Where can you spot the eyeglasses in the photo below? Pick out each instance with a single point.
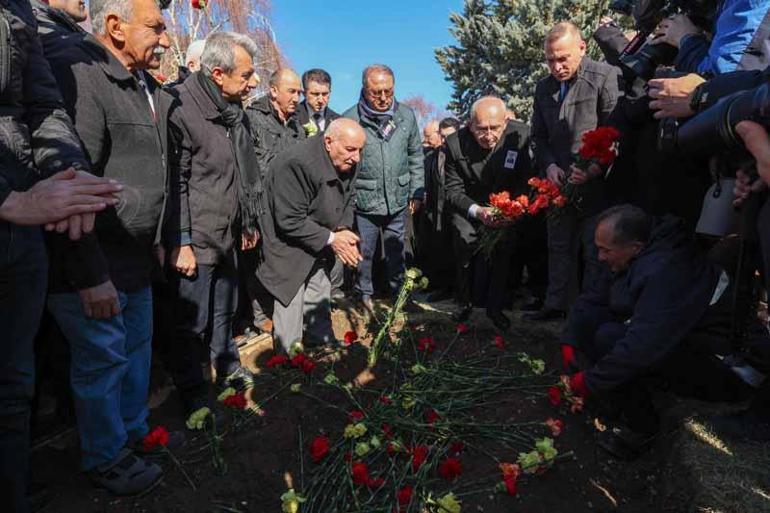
(387, 93)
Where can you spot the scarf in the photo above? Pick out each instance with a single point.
(383, 120)
(247, 166)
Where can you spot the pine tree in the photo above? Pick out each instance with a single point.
(499, 47)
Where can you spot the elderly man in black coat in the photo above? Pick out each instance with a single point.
(660, 312)
(311, 196)
(490, 155)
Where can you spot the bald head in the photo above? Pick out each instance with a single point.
(344, 139)
(285, 88)
(564, 50)
(488, 121)
(431, 137)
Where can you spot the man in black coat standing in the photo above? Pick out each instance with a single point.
(490, 155)
(576, 97)
(313, 113)
(217, 174)
(311, 196)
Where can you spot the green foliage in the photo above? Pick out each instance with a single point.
(500, 47)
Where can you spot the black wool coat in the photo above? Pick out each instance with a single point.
(204, 170)
(307, 200)
(472, 173)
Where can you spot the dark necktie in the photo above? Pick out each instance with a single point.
(563, 90)
(318, 119)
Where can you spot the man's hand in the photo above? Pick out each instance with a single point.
(555, 174)
(578, 176)
(249, 241)
(673, 29)
(64, 196)
(183, 260)
(671, 96)
(100, 302)
(414, 205)
(345, 246)
(757, 141)
(744, 187)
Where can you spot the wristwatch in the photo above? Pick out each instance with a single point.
(698, 98)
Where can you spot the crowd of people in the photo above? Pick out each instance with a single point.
(133, 211)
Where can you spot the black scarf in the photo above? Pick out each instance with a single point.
(383, 120)
(249, 178)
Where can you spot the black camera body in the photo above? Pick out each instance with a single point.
(640, 58)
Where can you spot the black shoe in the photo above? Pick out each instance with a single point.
(499, 319)
(463, 313)
(744, 425)
(533, 305)
(623, 443)
(545, 314)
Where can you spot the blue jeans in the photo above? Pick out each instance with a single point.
(23, 271)
(110, 372)
(392, 227)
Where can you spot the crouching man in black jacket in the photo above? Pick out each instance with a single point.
(311, 195)
(490, 155)
(661, 312)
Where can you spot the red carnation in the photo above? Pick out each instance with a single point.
(157, 437)
(350, 337)
(198, 4)
(499, 342)
(387, 431)
(462, 328)
(319, 448)
(404, 495)
(392, 448)
(277, 360)
(426, 344)
(419, 455)
(554, 395)
(355, 416)
(510, 484)
(237, 401)
(387, 401)
(450, 469)
(360, 474)
(298, 360)
(555, 425)
(431, 416)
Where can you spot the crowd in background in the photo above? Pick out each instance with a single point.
(190, 212)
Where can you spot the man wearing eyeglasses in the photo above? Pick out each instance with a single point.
(390, 176)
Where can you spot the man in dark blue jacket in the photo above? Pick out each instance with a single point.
(661, 311)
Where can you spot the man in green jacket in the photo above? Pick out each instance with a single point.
(390, 176)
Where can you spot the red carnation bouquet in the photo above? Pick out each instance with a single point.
(546, 195)
(504, 212)
(598, 147)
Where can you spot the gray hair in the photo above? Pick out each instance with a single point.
(194, 51)
(219, 51)
(376, 68)
(629, 224)
(99, 9)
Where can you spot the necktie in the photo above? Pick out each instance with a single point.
(146, 89)
(318, 120)
(563, 90)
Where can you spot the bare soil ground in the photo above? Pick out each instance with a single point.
(688, 470)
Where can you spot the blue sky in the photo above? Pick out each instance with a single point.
(343, 36)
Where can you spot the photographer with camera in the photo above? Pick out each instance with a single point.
(737, 43)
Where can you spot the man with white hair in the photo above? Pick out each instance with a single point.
(217, 173)
(308, 223)
(192, 61)
(490, 155)
(100, 286)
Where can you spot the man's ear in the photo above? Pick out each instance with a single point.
(327, 143)
(273, 92)
(114, 28)
(217, 76)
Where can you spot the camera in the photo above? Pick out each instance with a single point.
(713, 130)
(640, 57)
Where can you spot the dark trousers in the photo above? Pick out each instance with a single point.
(479, 277)
(691, 370)
(530, 251)
(23, 273)
(392, 228)
(434, 252)
(205, 308)
(570, 243)
(258, 299)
